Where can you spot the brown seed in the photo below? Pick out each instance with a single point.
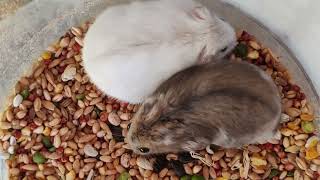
(58, 88)
(301, 163)
(14, 171)
(293, 112)
(133, 172)
(307, 117)
(154, 176)
(37, 104)
(106, 159)
(212, 173)
(5, 125)
(38, 71)
(88, 110)
(64, 42)
(125, 116)
(30, 167)
(120, 169)
(292, 149)
(87, 167)
(218, 155)
(254, 149)
(196, 169)
(124, 160)
(254, 45)
(48, 105)
(87, 138)
(231, 152)
(289, 166)
(95, 101)
(111, 172)
(301, 137)
(96, 128)
(272, 160)
(21, 114)
(54, 122)
(163, 173)
(114, 119)
(56, 141)
(78, 113)
(79, 41)
(285, 142)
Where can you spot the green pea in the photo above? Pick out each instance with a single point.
(273, 173)
(241, 50)
(197, 177)
(25, 93)
(124, 176)
(185, 177)
(47, 142)
(307, 127)
(80, 96)
(38, 158)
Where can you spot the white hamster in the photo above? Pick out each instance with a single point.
(132, 48)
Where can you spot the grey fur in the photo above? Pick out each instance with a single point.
(229, 104)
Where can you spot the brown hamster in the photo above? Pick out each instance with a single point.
(229, 104)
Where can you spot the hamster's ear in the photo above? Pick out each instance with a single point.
(200, 13)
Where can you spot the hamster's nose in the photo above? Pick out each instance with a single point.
(144, 149)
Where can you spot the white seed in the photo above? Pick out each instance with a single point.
(17, 100)
(69, 74)
(11, 150)
(254, 149)
(13, 141)
(90, 175)
(284, 118)
(90, 151)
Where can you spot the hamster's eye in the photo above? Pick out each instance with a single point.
(224, 49)
(144, 150)
(128, 126)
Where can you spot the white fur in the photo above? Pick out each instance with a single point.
(131, 49)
